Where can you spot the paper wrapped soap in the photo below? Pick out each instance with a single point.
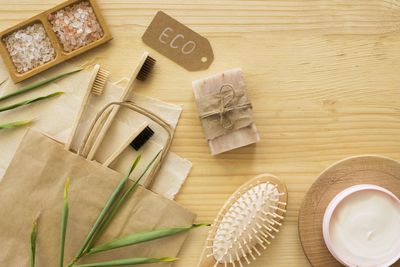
(225, 111)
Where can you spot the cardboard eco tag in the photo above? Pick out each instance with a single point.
(179, 43)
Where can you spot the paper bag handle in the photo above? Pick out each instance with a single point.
(101, 118)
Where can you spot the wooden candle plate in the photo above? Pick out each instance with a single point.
(367, 169)
(61, 55)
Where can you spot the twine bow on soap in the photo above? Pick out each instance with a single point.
(227, 99)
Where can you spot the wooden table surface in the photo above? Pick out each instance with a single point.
(323, 76)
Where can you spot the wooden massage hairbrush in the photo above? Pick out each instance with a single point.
(247, 223)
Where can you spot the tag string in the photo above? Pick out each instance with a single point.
(226, 97)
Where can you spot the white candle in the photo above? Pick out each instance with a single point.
(362, 226)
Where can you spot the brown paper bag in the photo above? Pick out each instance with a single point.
(55, 118)
(34, 183)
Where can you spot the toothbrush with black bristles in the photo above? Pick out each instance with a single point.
(141, 73)
(142, 138)
(136, 140)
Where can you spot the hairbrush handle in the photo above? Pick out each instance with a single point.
(124, 97)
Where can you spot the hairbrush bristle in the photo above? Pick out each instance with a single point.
(100, 81)
(142, 138)
(247, 224)
(146, 68)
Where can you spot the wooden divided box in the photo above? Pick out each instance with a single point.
(65, 31)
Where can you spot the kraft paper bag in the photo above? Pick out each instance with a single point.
(55, 118)
(33, 184)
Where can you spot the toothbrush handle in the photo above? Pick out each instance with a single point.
(124, 145)
(124, 97)
(82, 107)
(102, 133)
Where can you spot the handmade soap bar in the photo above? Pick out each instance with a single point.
(225, 111)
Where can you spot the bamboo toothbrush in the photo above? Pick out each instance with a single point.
(142, 138)
(95, 86)
(136, 140)
(141, 72)
(247, 223)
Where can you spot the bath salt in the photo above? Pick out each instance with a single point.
(29, 47)
(76, 26)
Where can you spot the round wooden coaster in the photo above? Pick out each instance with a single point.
(375, 170)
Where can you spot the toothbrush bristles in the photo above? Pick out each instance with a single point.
(100, 81)
(146, 68)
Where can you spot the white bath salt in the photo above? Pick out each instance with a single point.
(29, 47)
(76, 26)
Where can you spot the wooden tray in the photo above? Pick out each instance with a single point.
(61, 55)
(367, 169)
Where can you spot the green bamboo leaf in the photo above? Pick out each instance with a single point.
(30, 101)
(86, 244)
(141, 237)
(33, 241)
(37, 85)
(122, 200)
(64, 222)
(131, 261)
(14, 124)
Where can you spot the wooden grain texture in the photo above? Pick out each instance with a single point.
(375, 170)
(322, 75)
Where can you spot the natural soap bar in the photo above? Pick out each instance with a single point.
(225, 111)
